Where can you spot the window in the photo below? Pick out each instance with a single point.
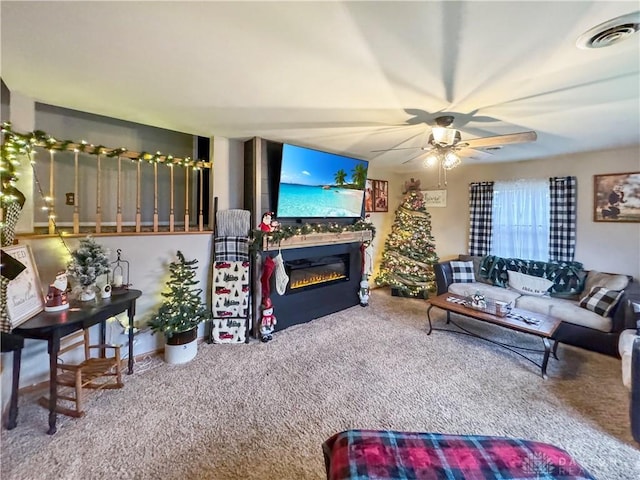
(520, 226)
(529, 219)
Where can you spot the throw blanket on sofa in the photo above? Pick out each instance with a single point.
(567, 277)
(390, 455)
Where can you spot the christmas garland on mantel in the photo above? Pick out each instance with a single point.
(288, 231)
(22, 143)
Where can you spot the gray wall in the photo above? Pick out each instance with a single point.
(608, 247)
(64, 124)
(149, 255)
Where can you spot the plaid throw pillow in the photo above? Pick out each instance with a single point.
(462, 272)
(601, 301)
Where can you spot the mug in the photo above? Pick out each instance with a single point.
(502, 308)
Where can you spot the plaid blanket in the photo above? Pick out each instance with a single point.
(231, 249)
(567, 277)
(387, 455)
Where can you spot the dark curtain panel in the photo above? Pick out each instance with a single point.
(562, 222)
(480, 203)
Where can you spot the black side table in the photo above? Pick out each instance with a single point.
(10, 342)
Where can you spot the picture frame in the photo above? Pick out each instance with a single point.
(434, 198)
(380, 189)
(24, 292)
(368, 196)
(616, 197)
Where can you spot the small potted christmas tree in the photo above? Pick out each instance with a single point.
(88, 262)
(181, 312)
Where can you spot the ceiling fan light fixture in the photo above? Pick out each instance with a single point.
(451, 160)
(444, 135)
(431, 160)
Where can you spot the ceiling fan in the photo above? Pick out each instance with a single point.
(445, 142)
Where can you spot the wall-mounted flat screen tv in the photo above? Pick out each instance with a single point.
(315, 184)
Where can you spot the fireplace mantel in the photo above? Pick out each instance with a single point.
(317, 239)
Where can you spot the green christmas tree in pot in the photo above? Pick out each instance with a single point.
(88, 262)
(181, 312)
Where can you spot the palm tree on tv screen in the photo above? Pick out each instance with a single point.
(359, 175)
(340, 177)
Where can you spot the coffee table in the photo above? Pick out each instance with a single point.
(520, 320)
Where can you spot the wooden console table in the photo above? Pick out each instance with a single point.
(52, 326)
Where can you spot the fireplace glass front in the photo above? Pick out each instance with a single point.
(315, 272)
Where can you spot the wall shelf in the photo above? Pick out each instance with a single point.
(317, 239)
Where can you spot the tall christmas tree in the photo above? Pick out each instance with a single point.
(409, 251)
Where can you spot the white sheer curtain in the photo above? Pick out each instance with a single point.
(521, 219)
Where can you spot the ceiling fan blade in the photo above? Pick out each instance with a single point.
(496, 140)
(420, 155)
(473, 154)
(399, 148)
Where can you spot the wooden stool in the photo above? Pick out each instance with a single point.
(10, 342)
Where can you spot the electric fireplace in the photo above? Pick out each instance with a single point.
(314, 272)
(322, 280)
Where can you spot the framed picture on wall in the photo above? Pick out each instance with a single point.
(24, 294)
(380, 195)
(376, 195)
(434, 198)
(368, 196)
(616, 197)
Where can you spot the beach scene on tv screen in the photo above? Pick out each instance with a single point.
(319, 184)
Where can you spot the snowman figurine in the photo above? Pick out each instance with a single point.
(363, 293)
(267, 323)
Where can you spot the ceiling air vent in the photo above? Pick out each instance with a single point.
(608, 33)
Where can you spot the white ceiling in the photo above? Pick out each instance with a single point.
(345, 77)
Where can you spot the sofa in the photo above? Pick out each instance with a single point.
(629, 347)
(594, 307)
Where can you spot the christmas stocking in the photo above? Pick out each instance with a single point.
(267, 270)
(282, 279)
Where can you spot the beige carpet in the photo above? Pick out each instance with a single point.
(262, 411)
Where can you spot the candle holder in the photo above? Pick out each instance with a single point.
(119, 275)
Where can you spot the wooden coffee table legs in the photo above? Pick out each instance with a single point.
(429, 318)
(548, 348)
(545, 359)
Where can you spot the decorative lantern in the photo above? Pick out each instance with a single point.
(119, 275)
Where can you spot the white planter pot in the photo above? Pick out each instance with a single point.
(88, 293)
(176, 354)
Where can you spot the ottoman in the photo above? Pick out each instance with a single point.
(625, 348)
(394, 455)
